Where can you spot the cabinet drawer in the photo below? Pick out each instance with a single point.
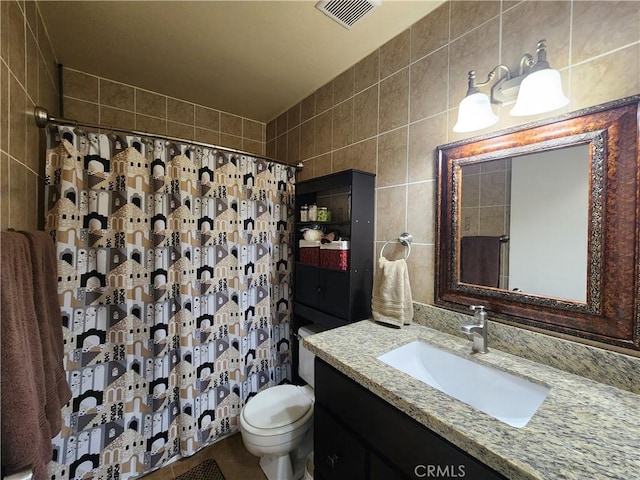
(338, 454)
(403, 441)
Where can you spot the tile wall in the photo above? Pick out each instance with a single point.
(28, 75)
(97, 100)
(388, 112)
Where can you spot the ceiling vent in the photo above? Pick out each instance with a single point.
(347, 12)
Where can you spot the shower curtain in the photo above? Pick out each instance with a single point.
(174, 276)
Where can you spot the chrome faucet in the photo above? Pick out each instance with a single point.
(478, 330)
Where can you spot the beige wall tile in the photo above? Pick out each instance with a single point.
(271, 130)
(293, 145)
(230, 124)
(322, 133)
(33, 56)
(392, 158)
(493, 188)
(293, 116)
(590, 16)
(281, 148)
(179, 111)
(394, 101)
(48, 96)
(180, 130)
(17, 119)
(531, 21)
(343, 86)
(230, 141)
(429, 78)
(324, 98)
(31, 209)
(492, 221)
(364, 155)
(207, 118)
(467, 15)
(430, 33)
(424, 137)
(252, 130)
(365, 109)
(33, 156)
(17, 47)
(477, 50)
(116, 118)
(21, 200)
(4, 30)
(31, 15)
(149, 124)
(4, 105)
(81, 111)
(395, 54)
(308, 108)
(282, 124)
(391, 212)
(152, 104)
(251, 146)
(342, 159)
(367, 71)
(322, 165)
(421, 211)
(207, 136)
(117, 95)
(271, 149)
(607, 78)
(307, 143)
(422, 260)
(343, 124)
(80, 85)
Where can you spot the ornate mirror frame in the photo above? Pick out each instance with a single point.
(611, 313)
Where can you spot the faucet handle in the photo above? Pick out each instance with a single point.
(481, 308)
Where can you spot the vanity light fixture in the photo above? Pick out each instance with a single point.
(537, 86)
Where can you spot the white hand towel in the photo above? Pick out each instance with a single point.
(391, 301)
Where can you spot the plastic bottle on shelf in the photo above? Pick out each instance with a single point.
(304, 213)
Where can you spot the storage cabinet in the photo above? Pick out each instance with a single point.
(328, 296)
(359, 435)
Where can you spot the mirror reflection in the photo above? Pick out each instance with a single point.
(524, 223)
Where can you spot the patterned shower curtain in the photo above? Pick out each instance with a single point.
(174, 275)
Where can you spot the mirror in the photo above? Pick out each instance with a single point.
(540, 224)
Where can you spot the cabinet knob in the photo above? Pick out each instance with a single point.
(319, 289)
(332, 460)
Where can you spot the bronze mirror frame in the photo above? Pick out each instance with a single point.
(611, 313)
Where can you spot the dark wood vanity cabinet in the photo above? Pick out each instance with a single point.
(328, 296)
(357, 435)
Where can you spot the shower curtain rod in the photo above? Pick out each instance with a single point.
(43, 118)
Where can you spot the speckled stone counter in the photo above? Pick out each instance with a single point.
(583, 430)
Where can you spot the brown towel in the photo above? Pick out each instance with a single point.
(29, 385)
(47, 303)
(480, 261)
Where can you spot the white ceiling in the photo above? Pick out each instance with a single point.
(251, 58)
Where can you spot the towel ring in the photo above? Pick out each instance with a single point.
(405, 239)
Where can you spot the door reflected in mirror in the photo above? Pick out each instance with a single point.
(524, 223)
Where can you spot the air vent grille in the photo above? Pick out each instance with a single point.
(347, 12)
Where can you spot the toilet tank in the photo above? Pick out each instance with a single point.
(305, 357)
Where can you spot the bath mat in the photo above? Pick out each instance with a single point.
(207, 470)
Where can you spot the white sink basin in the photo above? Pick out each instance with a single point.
(510, 399)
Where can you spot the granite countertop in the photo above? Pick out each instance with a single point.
(583, 429)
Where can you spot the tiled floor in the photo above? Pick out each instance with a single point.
(230, 454)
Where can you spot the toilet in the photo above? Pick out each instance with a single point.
(276, 424)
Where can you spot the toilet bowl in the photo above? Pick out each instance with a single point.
(276, 424)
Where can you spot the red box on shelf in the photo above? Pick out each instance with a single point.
(335, 255)
(310, 252)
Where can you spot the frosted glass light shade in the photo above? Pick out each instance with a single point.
(540, 92)
(474, 113)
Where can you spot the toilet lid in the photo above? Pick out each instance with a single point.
(276, 407)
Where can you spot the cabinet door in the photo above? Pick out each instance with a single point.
(307, 285)
(338, 454)
(334, 293)
(381, 470)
